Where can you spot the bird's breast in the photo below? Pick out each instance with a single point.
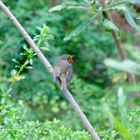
(64, 66)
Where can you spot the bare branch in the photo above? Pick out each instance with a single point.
(50, 69)
(121, 51)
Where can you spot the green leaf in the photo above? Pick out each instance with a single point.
(67, 5)
(127, 15)
(45, 48)
(122, 102)
(122, 130)
(121, 97)
(27, 62)
(25, 48)
(130, 19)
(126, 65)
(130, 87)
(31, 61)
(119, 7)
(13, 72)
(1, 90)
(14, 60)
(138, 17)
(58, 8)
(109, 25)
(29, 67)
(132, 1)
(128, 1)
(79, 28)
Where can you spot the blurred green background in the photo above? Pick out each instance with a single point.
(103, 93)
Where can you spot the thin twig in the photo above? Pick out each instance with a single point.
(50, 69)
(121, 51)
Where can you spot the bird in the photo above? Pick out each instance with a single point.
(63, 70)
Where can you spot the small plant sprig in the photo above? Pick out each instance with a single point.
(43, 38)
(42, 42)
(16, 74)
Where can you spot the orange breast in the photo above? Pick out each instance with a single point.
(70, 60)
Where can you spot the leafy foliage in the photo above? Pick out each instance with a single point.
(14, 125)
(29, 99)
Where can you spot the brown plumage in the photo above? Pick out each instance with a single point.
(63, 70)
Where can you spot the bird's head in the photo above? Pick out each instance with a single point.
(67, 58)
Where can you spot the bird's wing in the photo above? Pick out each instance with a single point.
(57, 74)
(57, 70)
(69, 75)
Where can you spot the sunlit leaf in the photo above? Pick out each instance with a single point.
(119, 7)
(127, 14)
(58, 8)
(126, 65)
(13, 72)
(109, 25)
(31, 61)
(122, 130)
(29, 67)
(20, 102)
(127, 1)
(122, 102)
(25, 48)
(45, 48)
(1, 90)
(132, 1)
(130, 87)
(138, 17)
(67, 5)
(119, 77)
(14, 60)
(26, 62)
(121, 96)
(130, 19)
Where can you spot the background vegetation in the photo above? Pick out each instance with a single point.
(31, 104)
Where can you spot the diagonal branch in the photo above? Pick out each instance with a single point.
(121, 51)
(50, 69)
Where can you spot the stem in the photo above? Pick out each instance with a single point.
(14, 80)
(18, 73)
(121, 51)
(50, 69)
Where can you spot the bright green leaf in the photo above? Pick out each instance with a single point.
(45, 48)
(31, 61)
(110, 25)
(1, 90)
(29, 67)
(122, 130)
(14, 60)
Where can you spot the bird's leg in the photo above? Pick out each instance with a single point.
(58, 80)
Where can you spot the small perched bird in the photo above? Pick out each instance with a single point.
(63, 70)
